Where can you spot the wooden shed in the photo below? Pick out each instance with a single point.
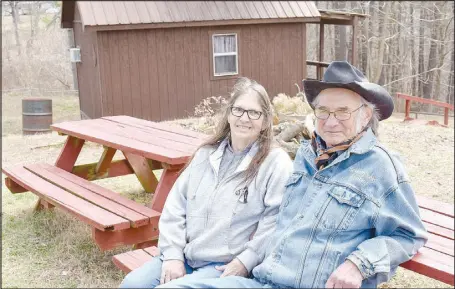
(156, 60)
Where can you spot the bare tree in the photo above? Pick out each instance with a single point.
(15, 16)
(377, 70)
(340, 34)
(34, 24)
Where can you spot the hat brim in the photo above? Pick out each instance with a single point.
(371, 92)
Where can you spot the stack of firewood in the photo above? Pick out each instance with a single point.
(293, 121)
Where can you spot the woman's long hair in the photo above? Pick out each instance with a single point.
(250, 87)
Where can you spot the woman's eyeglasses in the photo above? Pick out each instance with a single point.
(252, 114)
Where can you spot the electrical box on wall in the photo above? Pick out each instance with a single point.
(75, 54)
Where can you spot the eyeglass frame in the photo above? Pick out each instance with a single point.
(247, 112)
(335, 115)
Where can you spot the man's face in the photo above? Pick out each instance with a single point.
(332, 130)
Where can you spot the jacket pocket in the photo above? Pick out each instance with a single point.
(341, 207)
(293, 182)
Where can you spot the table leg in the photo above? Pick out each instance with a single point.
(43, 205)
(167, 180)
(105, 160)
(446, 116)
(143, 171)
(69, 153)
(65, 161)
(407, 110)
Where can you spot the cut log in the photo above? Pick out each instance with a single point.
(291, 131)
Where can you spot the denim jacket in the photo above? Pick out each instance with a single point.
(361, 207)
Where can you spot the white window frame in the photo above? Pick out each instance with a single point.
(236, 53)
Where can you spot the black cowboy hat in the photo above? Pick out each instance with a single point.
(341, 74)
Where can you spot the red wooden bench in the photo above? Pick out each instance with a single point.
(435, 259)
(115, 220)
(409, 98)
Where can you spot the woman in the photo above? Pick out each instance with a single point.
(230, 191)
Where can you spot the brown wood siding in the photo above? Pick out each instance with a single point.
(87, 70)
(161, 74)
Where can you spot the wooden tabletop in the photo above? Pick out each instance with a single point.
(165, 143)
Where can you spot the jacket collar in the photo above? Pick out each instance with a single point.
(217, 154)
(363, 145)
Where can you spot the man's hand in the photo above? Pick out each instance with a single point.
(234, 268)
(345, 276)
(172, 269)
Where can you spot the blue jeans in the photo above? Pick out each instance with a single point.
(225, 282)
(148, 275)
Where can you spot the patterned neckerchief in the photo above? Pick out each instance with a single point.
(326, 155)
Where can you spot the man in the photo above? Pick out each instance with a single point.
(349, 215)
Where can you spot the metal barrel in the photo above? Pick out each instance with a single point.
(36, 115)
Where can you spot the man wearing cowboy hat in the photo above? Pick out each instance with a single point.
(349, 215)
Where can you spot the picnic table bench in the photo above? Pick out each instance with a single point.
(115, 220)
(435, 259)
(410, 98)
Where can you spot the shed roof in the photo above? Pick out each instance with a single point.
(110, 15)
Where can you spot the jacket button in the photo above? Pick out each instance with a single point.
(286, 203)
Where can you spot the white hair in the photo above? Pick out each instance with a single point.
(374, 120)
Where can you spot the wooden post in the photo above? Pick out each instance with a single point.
(446, 116)
(407, 109)
(355, 22)
(319, 68)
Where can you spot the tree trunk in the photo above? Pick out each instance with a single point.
(421, 67)
(443, 44)
(432, 58)
(372, 43)
(377, 71)
(364, 44)
(450, 95)
(34, 25)
(340, 34)
(15, 16)
(412, 42)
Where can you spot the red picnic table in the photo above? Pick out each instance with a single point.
(115, 220)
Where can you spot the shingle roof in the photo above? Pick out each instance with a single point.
(105, 13)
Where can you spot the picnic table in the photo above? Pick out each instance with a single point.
(115, 220)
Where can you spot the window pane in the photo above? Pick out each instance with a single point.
(224, 43)
(225, 64)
